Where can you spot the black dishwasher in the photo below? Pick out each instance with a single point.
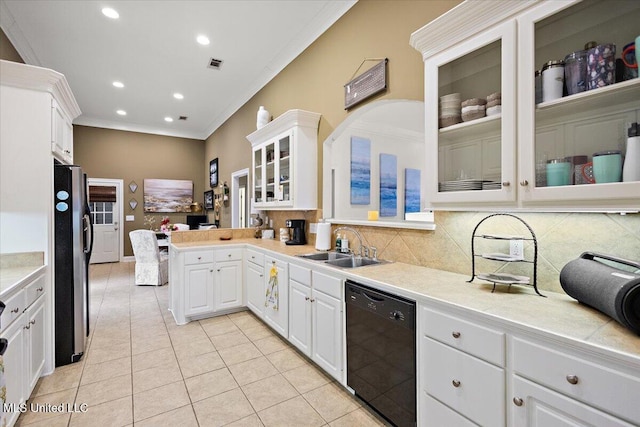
(381, 352)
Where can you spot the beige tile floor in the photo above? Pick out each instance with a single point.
(142, 369)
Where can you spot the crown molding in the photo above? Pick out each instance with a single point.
(286, 121)
(40, 79)
(463, 21)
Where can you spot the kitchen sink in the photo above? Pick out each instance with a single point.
(353, 262)
(325, 256)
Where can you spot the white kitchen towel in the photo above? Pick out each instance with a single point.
(271, 298)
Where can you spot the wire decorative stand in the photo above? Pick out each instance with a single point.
(508, 279)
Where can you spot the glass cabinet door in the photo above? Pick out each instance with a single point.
(270, 171)
(573, 135)
(470, 120)
(258, 175)
(284, 171)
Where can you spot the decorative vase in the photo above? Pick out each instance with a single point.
(263, 117)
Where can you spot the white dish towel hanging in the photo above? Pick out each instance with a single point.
(271, 297)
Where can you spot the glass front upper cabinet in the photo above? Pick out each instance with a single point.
(572, 139)
(470, 120)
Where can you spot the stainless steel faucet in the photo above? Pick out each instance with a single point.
(364, 250)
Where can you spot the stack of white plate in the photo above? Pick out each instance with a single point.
(460, 185)
(450, 110)
(491, 185)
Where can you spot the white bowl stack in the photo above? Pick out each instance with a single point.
(494, 104)
(473, 108)
(450, 110)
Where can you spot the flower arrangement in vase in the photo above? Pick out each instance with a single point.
(165, 225)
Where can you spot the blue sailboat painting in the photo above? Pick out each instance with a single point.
(360, 171)
(411, 190)
(388, 185)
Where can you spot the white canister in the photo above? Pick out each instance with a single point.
(262, 117)
(552, 80)
(631, 168)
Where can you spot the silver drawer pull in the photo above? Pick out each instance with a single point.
(524, 183)
(312, 299)
(456, 334)
(455, 383)
(27, 327)
(199, 258)
(572, 379)
(15, 310)
(40, 289)
(306, 298)
(33, 322)
(506, 184)
(517, 401)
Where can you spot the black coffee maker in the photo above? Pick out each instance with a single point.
(297, 232)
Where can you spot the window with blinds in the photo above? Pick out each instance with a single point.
(101, 203)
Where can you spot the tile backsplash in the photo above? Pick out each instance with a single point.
(561, 237)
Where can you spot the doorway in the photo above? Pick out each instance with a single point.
(240, 199)
(105, 197)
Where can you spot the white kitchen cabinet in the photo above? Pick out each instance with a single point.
(198, 289)
(227, 282)
(277, 318)
(254, 281)
(591, 121)
(24, 359)
(61, 134)
(461, 366)
(537, 406)
(315, 317)
(474, 50)
(550, 381)
(284, 162)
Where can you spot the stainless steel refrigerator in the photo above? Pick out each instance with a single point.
(73, 244)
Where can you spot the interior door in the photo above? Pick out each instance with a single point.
(104, 206)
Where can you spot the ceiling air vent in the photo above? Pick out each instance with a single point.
(182, 118)
(215, 63)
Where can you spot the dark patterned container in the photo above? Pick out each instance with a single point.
(601, 66)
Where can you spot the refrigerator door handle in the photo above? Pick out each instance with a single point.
(88, 234)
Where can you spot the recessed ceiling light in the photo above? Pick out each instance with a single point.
(178, 95)
(121, 112)
(203, 40)
(118, 84)
(168, 119)
(110, 13)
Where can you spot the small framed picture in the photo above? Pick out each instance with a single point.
(213, 173)
(208, 199)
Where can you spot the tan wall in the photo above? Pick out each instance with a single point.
(7, 51)
(132, 156)
(314, 81)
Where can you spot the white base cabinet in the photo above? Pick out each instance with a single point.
(24, 358)
(277, 318)
(315, 318)
(205, 282)
(254, 281)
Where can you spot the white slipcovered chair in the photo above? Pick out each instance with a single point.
(151, 265)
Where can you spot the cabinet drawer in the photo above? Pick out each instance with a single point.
(231, 254)
(34, 290)
(327, 284)
(14, 306)
(605, 388)
(300, 274)
(255, 257)
(466, 384)
(200, 257)
(435, 414)
(480, 341)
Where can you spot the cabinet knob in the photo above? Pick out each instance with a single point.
(518, 401)
(307, 298)
(455, 383)
(524, 183)
(218, 269)
(262, 275)
(312, 299)
(15, 310)
(33, 322)
(229, 255)
(456, 334)
(28, 326)
(572, 379)
(199, 258)
(506, 184)
(211, 271)
(40, 289)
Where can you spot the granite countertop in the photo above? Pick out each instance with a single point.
(557, 314)
(17, 270)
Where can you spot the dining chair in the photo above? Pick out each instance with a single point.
(151, 264)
